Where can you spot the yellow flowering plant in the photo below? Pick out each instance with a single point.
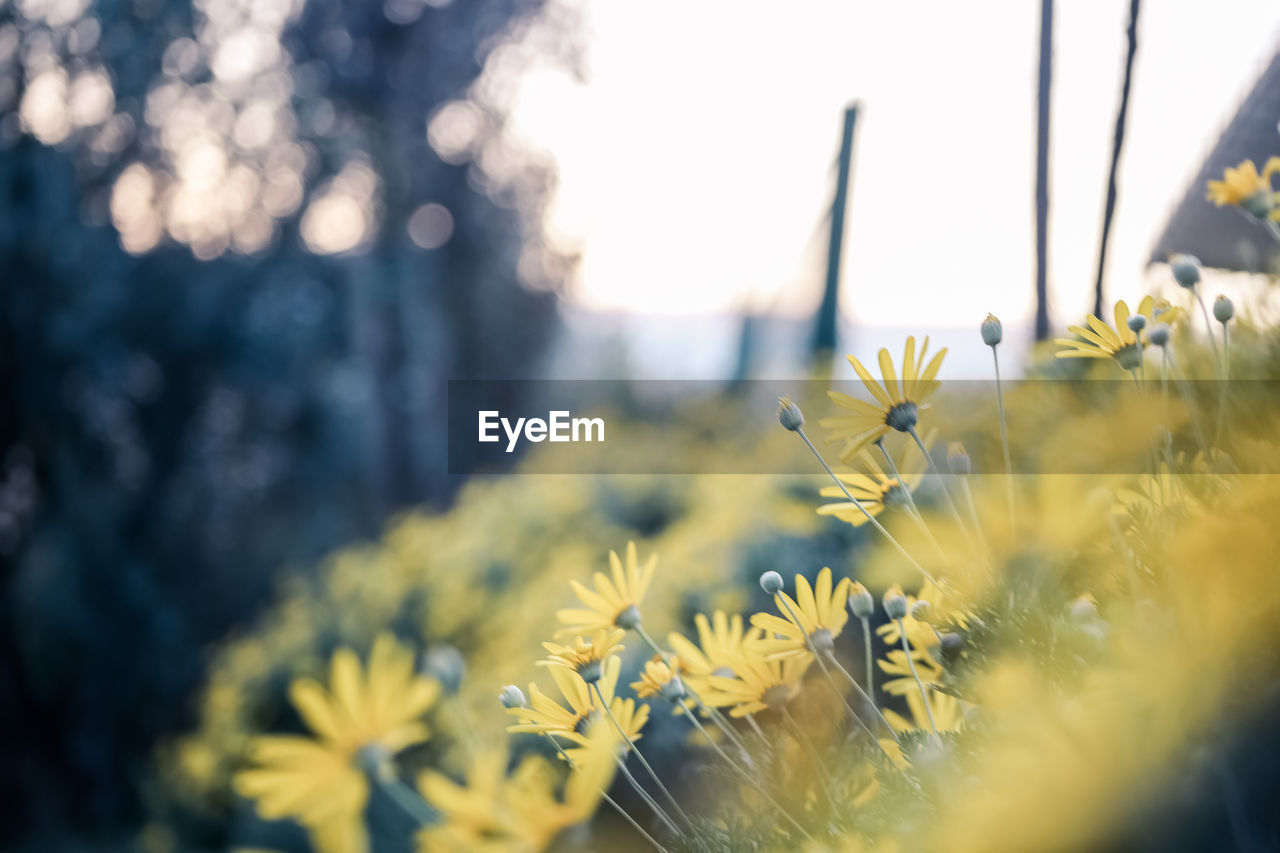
(1045, 684)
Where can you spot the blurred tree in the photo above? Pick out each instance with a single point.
(245, 244)
(1043, 106)
(1117, 145)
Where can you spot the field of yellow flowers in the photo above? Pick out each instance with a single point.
(916, 647)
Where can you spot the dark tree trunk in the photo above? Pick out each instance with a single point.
(825, 326)
(1042, 170)
(1118, 144)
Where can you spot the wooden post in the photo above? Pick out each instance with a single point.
(825, 325)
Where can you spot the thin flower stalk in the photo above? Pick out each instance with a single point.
(1004, 440)
(924, 694)
(946, 492)
(643, 761)
(878, 526)
(715, 716)
(866, 644)
(406, 798)
(798, 732)
(973, 509)
(822, 664)
(750, 779)
(614, 803)
(912, 509)
(1208, 326)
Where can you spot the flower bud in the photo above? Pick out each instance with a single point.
(1158, 334)
(511, 697)
(1083, 609)
(629, 618)
(992, 331)
(1186, 270)
(771, 582)
(789, 414)
(921, 611)
(1136, 323)
(861, 604)
(445, 664)
(1223, 309)
(895, 603)
(1257, 205)
(957, 459)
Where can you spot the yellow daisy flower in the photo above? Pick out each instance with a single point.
(359, 723)
(1245, 188)
(497, 812)
(923, 636)
(544, 715)
(814, 618)
(585, 656)
(905, 683)
(873, 488)
(1121, 343)
(760, 684)
(661, 678)
(947, 713)
(718, 652)
(616, 601)
(897, 404)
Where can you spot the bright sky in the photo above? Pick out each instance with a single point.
(696, 162)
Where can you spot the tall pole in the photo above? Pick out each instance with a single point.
(1042, 170)
(825, 326)
(1117, 144)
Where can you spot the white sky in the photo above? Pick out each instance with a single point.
(696, 162)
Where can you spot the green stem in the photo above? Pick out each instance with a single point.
(750, 780)
(878, 526)
(866, 643)
(1208, 327)
(755, 727)
(1004, 441)
(863, 693)
(1222, 392)
(924, 694)
(406, 798)
(1187, 401)
(648, 798)
(913, 510)
(973, 510)
(946, 492)
(818, 656)
(797, 731)
(715, 715)
(610, 800)
(643, 761)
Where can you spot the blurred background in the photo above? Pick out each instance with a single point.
(244, 244)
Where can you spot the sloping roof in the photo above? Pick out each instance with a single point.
(1221, 237)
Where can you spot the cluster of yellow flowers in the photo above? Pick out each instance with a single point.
(1064, 645)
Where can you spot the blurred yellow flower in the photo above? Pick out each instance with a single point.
(759, 684)
(359, 723)
(721, 641)
(584, 657)
(544, 715)
(1121, 343)
(520, 812)
(657, 677)
(614, 602)
(897, 405)
(875, 489)
(947, 712)
(1243, 186)
(905, 683)
(812, 620)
